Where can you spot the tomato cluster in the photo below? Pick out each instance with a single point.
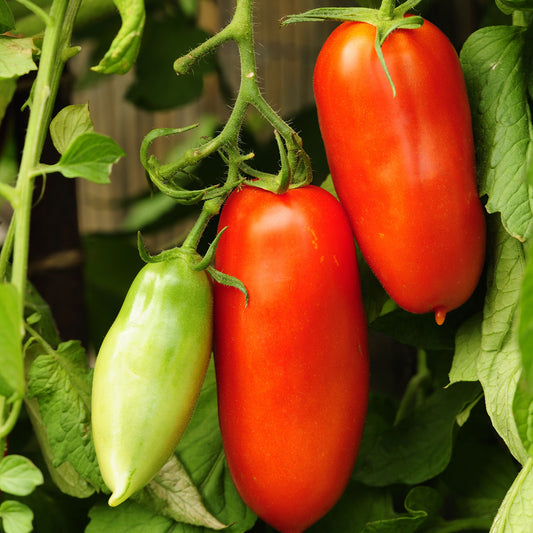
(292, 360)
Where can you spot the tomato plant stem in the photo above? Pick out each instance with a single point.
(240, 30)
(386, 10)
(211, 207)
(56, 41)
(521, 18)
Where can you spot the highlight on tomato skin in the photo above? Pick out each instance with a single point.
(404, 166)
(292, 366)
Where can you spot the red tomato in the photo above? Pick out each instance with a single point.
(292, 367)
(404, 167)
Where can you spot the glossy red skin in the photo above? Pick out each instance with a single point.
(404, 167)
(292, 367)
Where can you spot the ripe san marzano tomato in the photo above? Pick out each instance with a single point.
(292, 366)
(403, 166)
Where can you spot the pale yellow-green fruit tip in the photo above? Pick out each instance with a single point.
(120, 494)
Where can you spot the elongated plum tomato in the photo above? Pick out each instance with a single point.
(292, 368)
(403, 166)
(149, 372)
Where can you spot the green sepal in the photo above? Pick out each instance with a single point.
(203, 264)
(219, 277)
(143, 252)
(294, 173)
(384, 25)
(165, 255)
(229, 281)
(210, 254)
(355, 14)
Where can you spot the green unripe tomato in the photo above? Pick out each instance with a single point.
(149, 372)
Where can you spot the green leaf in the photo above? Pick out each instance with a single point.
(525, 328)
(173, 494)
(36, 306)
(420, 504)
(523, 414)
(68, 124)
(61, 382)
(19, 476)
(523, 401)
(508, 6)
(480, 473)
(467, 350)
(11, 370)
(65, 477)
(496, 77)
(125, 46)
(89, 156)
(129, 517)
(500, 363)
(16, 56)
(156, 86)
(419, 446)
(357, 506)
(515, 514)
(200, 451)
(416, 330)
(7, 21)
(16, 517)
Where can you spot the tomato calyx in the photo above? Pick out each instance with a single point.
(194, 260)
(295, 168)
(386, 20)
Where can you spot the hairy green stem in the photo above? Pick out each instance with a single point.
(56, 40)
(36, 337)
(240, 30)
(386, 11)
(211, 207)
